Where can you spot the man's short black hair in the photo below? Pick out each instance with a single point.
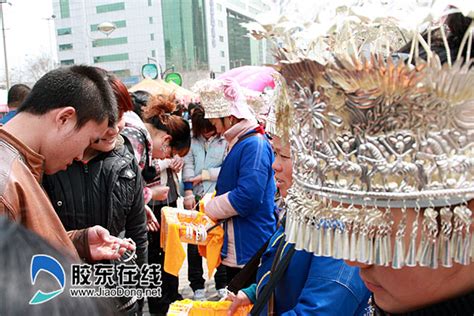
(16, 94)
(83, 87)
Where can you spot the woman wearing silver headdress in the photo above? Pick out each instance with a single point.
(384, 149)
(444, 241)
(384, 172)
(309, 285)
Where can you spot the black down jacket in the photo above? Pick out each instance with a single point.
(107, 191)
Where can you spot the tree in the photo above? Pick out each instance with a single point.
(37, 66)
(32, 69)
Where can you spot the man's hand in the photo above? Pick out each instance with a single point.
(103, 246)
(152, 223)
(237, 300)
(159, 192)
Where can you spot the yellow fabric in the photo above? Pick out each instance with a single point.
(207, 308)
(173, 233)
(176, 255)
(212, 251)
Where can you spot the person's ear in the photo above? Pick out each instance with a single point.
(167, 138)
(65, 117)
(227, 122)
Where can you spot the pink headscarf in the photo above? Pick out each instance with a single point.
(222, 98)
(238, 106)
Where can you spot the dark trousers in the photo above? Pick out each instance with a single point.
(195, 271)
(170, 283)
(231, 272)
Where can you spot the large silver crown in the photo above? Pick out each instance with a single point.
(375, 129)
(374, 135)
(370, 134)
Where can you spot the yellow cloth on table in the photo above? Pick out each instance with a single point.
(212, 251)
(191, 308)
(175, 254)
(173, 233)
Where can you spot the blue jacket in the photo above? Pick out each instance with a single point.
(248, 175)
(204, 155)
(7, 117)
(313, 285)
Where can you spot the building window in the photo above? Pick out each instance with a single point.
(219, 7)
(222, 53)
(149, 3)
(107, 58)
(64, 9)
(67, 62)
(150, 19)
(222, 68)
(220, 23)
(118, 24)
(64, 31)
(221, 38)
(110, 7)
(109, 41)
(65, 47)
(153, 53)
(122, 73)
(152, 37)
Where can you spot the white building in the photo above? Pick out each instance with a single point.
(188, 34)
(223, 44)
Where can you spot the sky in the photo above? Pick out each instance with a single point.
(28, 32)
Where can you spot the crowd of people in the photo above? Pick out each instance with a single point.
(87, 167)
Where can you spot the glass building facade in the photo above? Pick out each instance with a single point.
(239, 44)
(184, 32)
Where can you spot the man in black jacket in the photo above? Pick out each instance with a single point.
(105, 188)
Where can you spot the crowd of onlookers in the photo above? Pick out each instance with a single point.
(87, 167)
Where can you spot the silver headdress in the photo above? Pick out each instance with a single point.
(371, 134)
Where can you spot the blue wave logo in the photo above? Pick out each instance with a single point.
(51, 266)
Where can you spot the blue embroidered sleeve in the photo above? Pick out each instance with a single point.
(251, 292)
